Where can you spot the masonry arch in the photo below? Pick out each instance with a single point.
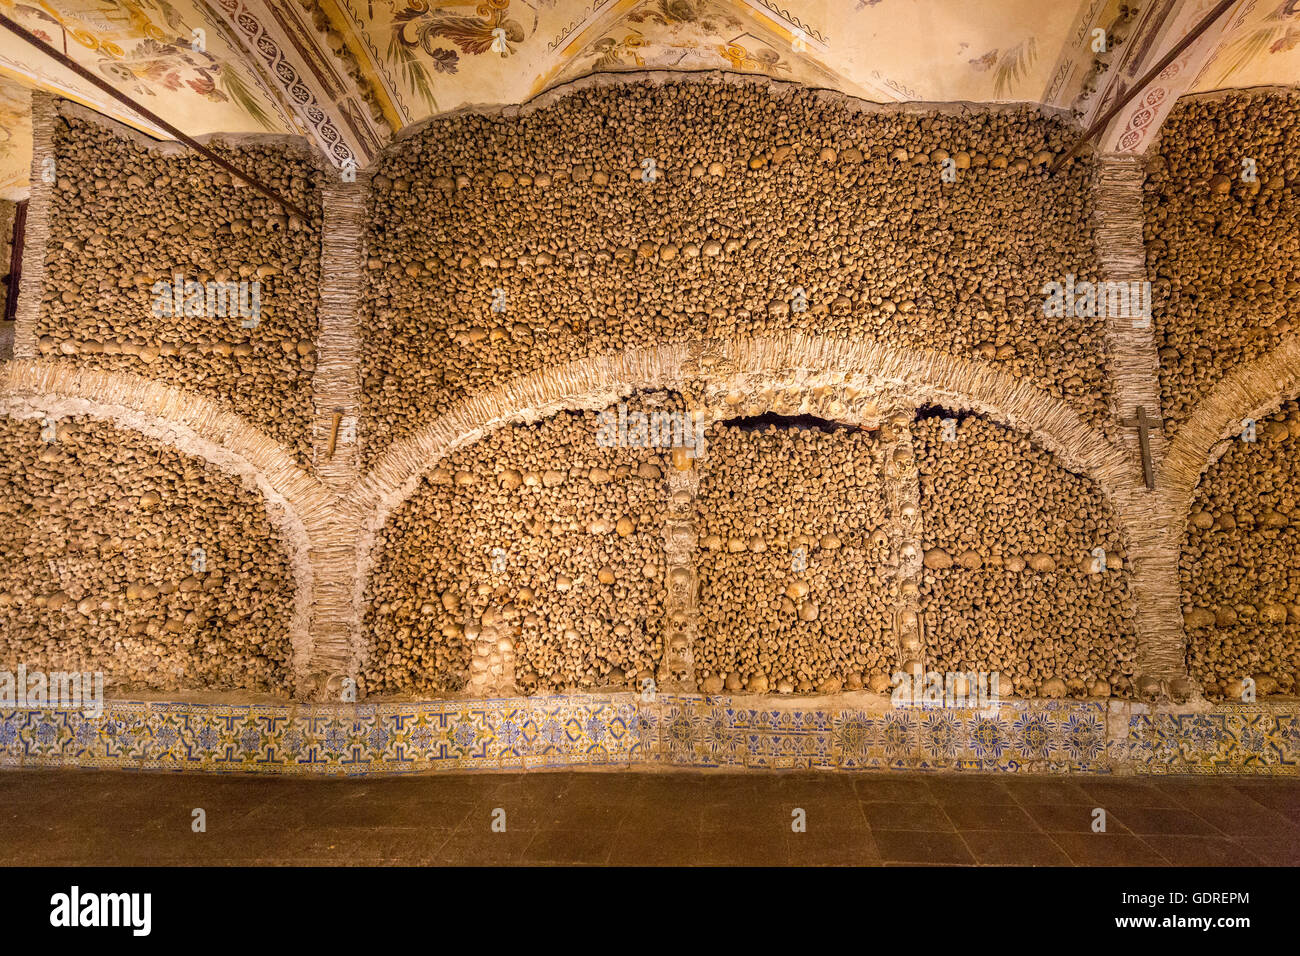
(1222, 645)
(296, 502)
(842, 380)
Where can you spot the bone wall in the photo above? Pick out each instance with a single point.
(797, 558)
(1223, 253)
(796, 592)
(498, 245)
(123, 556)
(1239, 569)
(609, 218)
(124, 217)
(539, 535)
(1011, 582)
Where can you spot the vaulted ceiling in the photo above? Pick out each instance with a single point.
(350, 73)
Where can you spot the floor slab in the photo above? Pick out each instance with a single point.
(634, 819)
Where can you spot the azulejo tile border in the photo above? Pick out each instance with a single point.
(679, 731)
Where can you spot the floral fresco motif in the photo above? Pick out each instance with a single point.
(412, 58)
(612, 54)
(148, 48)
(1277, 32)
(15, 140)
(762, 60)
(685, 35)
(700, 13)
(1009, 66)
(443, 32)
(152, 64)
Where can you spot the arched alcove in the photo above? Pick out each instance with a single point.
(853, 383)
(1239, 569)
(1028, 570)
(296, 504)
(124, 556)
(531, 558)
(798, 544)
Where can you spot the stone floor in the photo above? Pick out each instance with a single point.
(106, 818)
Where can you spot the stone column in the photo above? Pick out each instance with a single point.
(904, 493)
(31, 285)
(337, 383)
(336, 617)
(677, 670)
(1154, 539)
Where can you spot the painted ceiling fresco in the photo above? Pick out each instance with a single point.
(15, 139)
(175, 58)
(350, 73)
(437, 56)
(1263, 51)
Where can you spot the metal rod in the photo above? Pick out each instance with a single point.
(67, 62)
(1100, 123)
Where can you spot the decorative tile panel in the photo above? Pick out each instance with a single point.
(674, 731)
